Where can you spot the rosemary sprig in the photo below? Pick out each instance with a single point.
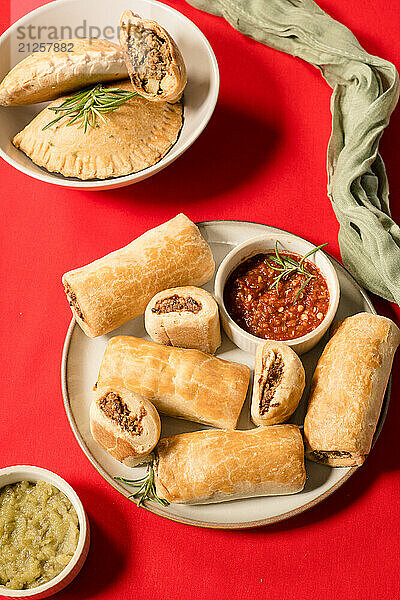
(287, 266)
(85, 106)
(146, 487)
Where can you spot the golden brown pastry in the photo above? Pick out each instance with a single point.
(131, 138)
(182, 383)
(279, 381)
(186, 317)
(155, 64)
(117, 288)
(348, 388)
(215, 466)
(126, 426)
(44, 76)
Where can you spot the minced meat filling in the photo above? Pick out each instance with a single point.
(150, 55)
(115, 408)
(73, 302)
(176, 303)
(325, 455)
(269, 381)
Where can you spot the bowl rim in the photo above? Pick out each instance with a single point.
(170, 157)
(220, 282)
(38, 473)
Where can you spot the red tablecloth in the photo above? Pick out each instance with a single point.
(261, 158)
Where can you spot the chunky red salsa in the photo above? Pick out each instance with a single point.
(278, 311)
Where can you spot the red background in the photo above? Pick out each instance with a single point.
(261, 158)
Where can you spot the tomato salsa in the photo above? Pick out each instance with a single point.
(278, 310)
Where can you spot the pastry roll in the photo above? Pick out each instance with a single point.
(348, 388)
(186, 317)
(182, 383)
(43, 76)
(155, 64)
(126, 426)
(133, 137)
(279, 381)
(117, 288)
(214, 466)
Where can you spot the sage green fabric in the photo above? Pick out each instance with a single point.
(365, 92)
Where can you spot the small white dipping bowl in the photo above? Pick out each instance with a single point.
(266, 244)
(10, 475)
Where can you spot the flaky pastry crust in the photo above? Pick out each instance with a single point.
(131, 138)
(186, 317)
(215, 466)
(154, 61)
(279, 380)
(108, 424)
(117, 288)
(348, 388)
(182, 383)
(43, 76)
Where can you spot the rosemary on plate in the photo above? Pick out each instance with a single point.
(146, 487)
(84, 107)
(287, 266)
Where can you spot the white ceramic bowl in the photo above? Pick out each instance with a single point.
(263, 244)
(201, 92)
(10, 475)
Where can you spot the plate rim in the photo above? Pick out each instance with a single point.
(198, 523)
(130, 179)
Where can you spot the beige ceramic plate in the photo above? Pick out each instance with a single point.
(80, 364)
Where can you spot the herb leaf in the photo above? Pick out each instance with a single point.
(88, 105)
(287, 266)
(146, 487)
(312, 251)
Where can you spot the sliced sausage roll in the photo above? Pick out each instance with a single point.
(279, 381)
(186, 317)
(125, 425)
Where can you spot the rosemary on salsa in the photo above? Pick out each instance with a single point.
(287, 266)
(84, 107)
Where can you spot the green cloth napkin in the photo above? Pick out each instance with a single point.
(365, 92)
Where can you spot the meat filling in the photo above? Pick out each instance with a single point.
(115, 409)
(73, 302)
(151, 57)
(325, 455)
(176, 303)
(270, 379)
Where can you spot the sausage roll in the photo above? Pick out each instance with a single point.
(117, 288)
(214, 465)
(279, 381)
(182, 383)
(348, 388)
(186, 317)
(155, 64)
(126, 426)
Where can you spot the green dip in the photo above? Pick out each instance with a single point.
(39, 532)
